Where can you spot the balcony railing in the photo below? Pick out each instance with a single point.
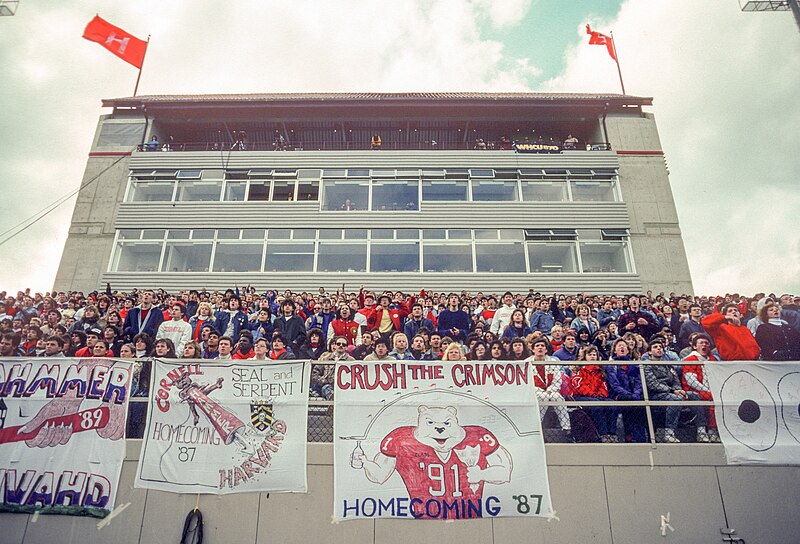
(648, 412)
(353, 146)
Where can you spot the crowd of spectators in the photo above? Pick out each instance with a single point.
(565, 337)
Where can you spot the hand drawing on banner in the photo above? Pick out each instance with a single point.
(57, 420)
(423, 456)
(749, 412)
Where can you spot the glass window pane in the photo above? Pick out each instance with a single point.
(437, 191)
(198, 191)
(282, 190)
(137, 257)
(486, 234)
(252, 234)
(434, 234)
(544, 191)
(232, 257)
(394, 196)
(447, 257)
(279, 234)
(202, 234)
(433, 173)
(186, 257)
(153, 234)
(289, 257)
(407, 234)
(607, 257)
(189, 174)
(309, 173)
(308, 190)
(259, 189)
(382, 234)
(403, 257)
(345, 195)
(500, 257)
(330, 234)
(494, 191)
(234, 190)
(383, 173)
(552, 257)
(481, 173)
(228, 234)
(459, 234)
(357, 173)
(129, 234)
(334, 173)
(511, 234)
(342, 257)
(151, 191)
(212, 174)
(355, 234)
(304, 234)
(178, 234)
(592, 191)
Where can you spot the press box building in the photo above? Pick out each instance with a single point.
(288, 191)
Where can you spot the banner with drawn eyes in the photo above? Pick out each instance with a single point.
(436, 440)
(757, 410)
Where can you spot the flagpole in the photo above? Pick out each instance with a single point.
(136, 87)
(616, 59)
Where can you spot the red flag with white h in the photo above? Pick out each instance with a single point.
(124, 45)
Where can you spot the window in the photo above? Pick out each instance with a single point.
(150, 191)
(198, 191)
(451, 190)
(604, 257)
(552, 257)
(238, 257)
(307, 190)
(593, 191)
(282, 190)
(550, 234)
(494, 191)
(342, 257)
(395, 195)
(544, 191)
(120, 134)
(136, 256)
(394, 257)
(293, 257)
(500, 257)
(235, 190)
(345, 195)
(447, 257)
(186, 257)
(259, 189)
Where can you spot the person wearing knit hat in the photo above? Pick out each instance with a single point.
(778, 340)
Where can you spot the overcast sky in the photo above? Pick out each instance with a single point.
(725, 87)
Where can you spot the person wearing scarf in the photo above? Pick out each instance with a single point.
(625, 383)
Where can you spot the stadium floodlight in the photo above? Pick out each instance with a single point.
(8, 7)
(773, 5)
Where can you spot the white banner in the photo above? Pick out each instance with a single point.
(757, 410)
(226, 427)
(62, 434)
(437, 440)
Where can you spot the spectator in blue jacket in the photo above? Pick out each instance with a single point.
(452, 321)
(625, 383)
(416, 322)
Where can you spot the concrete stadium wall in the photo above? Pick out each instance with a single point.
(602, 494)
(656, 242)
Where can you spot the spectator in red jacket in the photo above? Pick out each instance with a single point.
(734, 341)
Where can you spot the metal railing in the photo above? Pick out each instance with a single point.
(647, 412)
(342, 146)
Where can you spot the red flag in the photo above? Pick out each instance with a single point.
(126, 46)
(601, 39)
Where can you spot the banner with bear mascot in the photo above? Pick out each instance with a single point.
(226, 427)
(437, 440)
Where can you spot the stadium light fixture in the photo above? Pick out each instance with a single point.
(8, 7)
